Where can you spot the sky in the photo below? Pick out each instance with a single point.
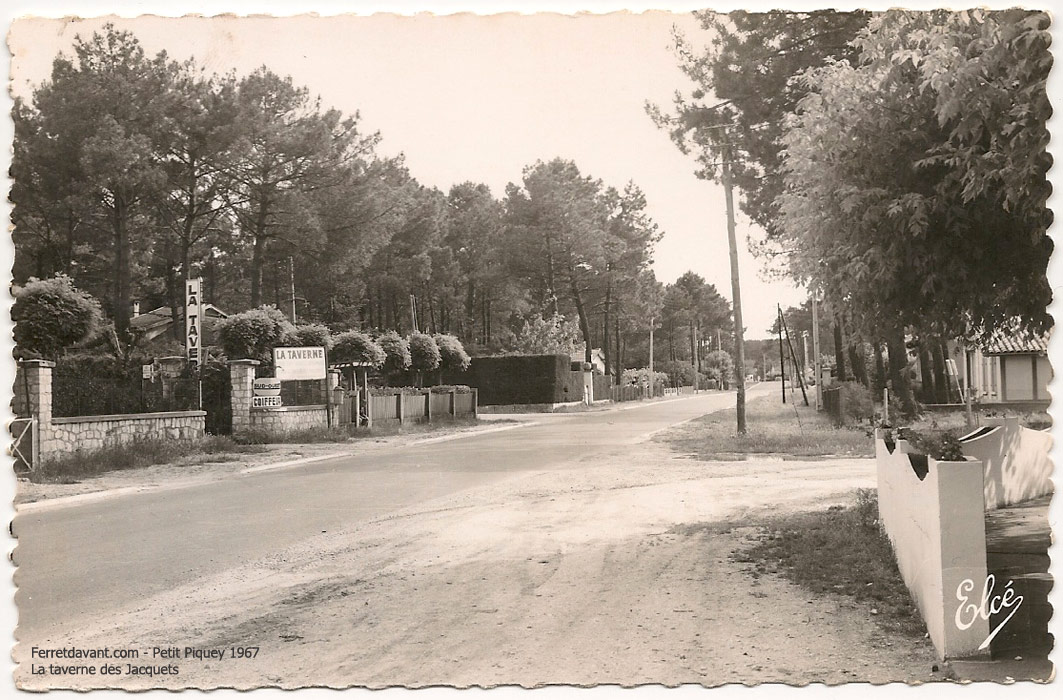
(469, 97)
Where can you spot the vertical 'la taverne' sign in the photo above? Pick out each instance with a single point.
(193, 318)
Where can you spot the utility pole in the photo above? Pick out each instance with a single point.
(413, 312)
(291, 274)
(815, 351)
(782, 357)
(736, 294)
(651, 352)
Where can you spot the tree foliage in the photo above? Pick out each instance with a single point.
(452, 355)
(424, 353)
(253, 334)
(309, 335)
(909, 196)
(357, 347)
(744, 90)
(555, 335)
(51, 315)
(396, 352)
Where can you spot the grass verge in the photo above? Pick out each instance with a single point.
(142, 452)
(344, 435)
(73, 467)
(840, 551)
(773, 428)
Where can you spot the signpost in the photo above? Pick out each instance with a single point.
(300, 363)
(193, 319)
(267, 393)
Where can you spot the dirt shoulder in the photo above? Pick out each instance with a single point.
(617, 571)
(202, 469)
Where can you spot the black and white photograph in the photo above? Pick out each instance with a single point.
(506, 346)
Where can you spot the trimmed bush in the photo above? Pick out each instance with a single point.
(253, 334)
(309, 335)
(356, 346)
(424, 353)
(447, 388)
(396, 352)
(452, 355)
(51, 315)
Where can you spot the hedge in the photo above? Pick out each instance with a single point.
(521, 379)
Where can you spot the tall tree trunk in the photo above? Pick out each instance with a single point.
(941, 374)
(470, 307)
(584, 323)
(926, 373)
(174, 289)
(693, 350)
(605, 328)
(839, 351)
(212, 280)
(550, 280)
(618, 364)
(899, 372)
(258, 255)
(880, 370)
(858, 364)
(122, 272)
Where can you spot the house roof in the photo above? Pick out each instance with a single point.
(1016, 342)
(162, 316)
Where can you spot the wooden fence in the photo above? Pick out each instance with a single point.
(421, 406)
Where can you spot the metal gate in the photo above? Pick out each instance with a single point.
(217, 400)
(24, 444)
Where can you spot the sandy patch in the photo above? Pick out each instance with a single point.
(619, 572)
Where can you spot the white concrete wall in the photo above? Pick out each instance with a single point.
(1018, 377)
(1044, 377)
(937, 528)
(1016, 461)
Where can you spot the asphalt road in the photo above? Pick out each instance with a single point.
(82, 560)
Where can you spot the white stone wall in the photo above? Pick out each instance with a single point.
(66, 435)
(1016, 461)
(278, 421)
(937, 528)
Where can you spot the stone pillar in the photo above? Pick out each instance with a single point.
(242, 381)
(33, 398)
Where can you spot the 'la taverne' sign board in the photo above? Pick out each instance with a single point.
(299, 363)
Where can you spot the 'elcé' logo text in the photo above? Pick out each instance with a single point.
(990, 604)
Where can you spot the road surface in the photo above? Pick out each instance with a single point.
(574, 551)
(79, 562)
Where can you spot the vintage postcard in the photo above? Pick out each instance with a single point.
(676, 347)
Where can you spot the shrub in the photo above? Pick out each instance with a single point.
(856, 403)
(356, 346)
(447, 388)
(943, 446)
(253, 334)
(309, 335)
(642, 376)
(720, 361)
(396, 352)
(424, 353)
(51, 315)
(679, 373)
(452, 355)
